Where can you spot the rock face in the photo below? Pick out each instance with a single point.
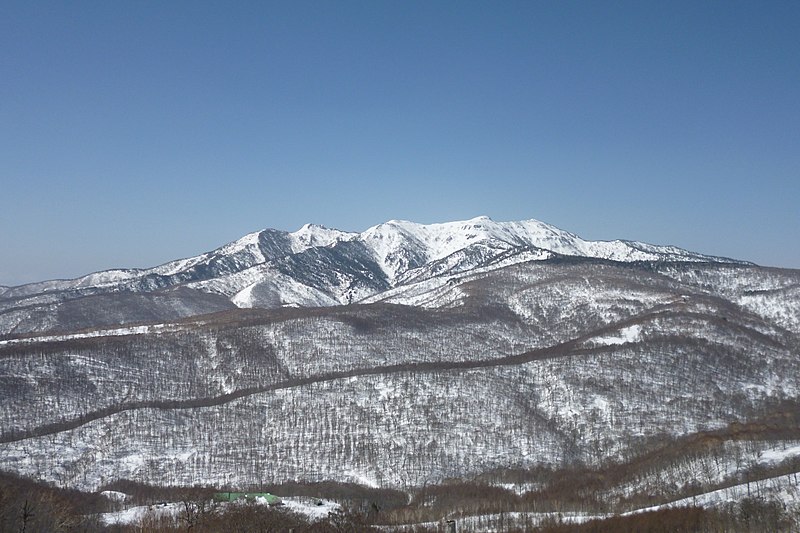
(466, 347)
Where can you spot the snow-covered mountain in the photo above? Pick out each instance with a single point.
(315, 266)
(475, 349)
(538, 363)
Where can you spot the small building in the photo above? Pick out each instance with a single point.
(271, 499)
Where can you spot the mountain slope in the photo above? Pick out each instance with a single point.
(555, 362)
(409, 355)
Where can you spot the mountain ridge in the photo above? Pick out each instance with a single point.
(314, 266)
(312, 235)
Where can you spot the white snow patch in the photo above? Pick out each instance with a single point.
(114, 495)
(776, 456)
(114, 332)
(314, 509)
(313, 235)
(244, 298)
(782, 488)
(625, 335)
(134, 515)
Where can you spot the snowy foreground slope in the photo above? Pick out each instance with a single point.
(470, 349)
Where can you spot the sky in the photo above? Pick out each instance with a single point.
(133, 133)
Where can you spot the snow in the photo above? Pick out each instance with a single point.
(311, 235)
(247, 243)
(233, 283)
(312, 508)
(499, 522)
(437, 241)
(244, 298)
(135, 515)
(110, 332)
(441, 240)
(404, 251)
(360, 478)
(782, 488)
(420, 287)
(277, 289)
(624, 335)
(774, 456)
(520, 488)
(114, 495)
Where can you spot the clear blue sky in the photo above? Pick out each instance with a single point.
(132, 133)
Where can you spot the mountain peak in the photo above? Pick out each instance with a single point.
(311, 235)
(318, 264)
(312, 226)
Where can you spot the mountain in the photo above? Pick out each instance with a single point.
(314, 266)
(510, 353)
